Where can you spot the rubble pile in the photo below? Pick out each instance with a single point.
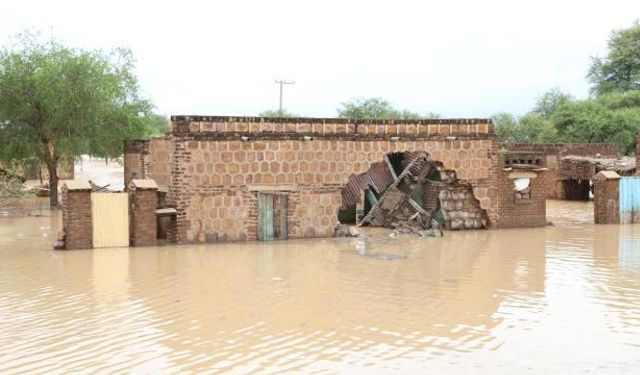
(420, 199)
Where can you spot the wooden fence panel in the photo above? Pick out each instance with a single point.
(110, 214)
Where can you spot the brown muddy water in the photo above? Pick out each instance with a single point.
(563, 299)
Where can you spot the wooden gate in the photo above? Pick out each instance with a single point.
(272, 217)
(110, 215)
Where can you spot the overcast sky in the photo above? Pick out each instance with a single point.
(456, 58)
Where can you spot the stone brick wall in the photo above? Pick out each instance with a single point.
(313, 213)
(550, 155)
(143, 200)
(160, 161)
(515, 212)
(215, 161)
(606, 199)
(76, 217)
(136, 160)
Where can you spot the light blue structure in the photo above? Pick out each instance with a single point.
(630, 199)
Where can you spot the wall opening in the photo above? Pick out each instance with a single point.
(576, 190)
(522, 189)
(407, 189)
(272, 217)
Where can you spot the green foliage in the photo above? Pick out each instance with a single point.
(377, 108)
(158, 124)
(530, 128)
(613, 117)
(506, 127)
(619, 71)
(549, 101)
(277, 113)
(60, 102)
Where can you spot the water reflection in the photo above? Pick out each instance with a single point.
(481, 302)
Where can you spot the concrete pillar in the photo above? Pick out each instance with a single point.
(76, 214)
(606, 198)
(143, 201)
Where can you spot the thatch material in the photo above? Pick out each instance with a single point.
(584, 167)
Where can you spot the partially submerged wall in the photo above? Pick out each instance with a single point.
(549, 155)
(219, 165)
(606, 198)
(526, 208)
(151, 159)
(216, 168)
(77, 220)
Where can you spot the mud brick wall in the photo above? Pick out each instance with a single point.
(521, 213)
(136, 160)
(552, 155)
(606, 201)
(76, 218)
(143, 216)
(214, 160)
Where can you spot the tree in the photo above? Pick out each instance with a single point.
(277, 113)
(58, 102)
(549, 101)
(613, 117)
(159, 124)
(377, 108)
(10, 189)
(619, 71)
(535, 128)
(506, 126)
(530, 128)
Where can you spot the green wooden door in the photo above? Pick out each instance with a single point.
(272, 217)
(265, 217)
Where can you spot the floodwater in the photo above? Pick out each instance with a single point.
(563, 299)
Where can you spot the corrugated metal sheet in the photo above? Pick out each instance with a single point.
(409, 156)
(351, 192)
(393, 197)
(378, 178)
(629, 199)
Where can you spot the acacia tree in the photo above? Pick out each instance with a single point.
(58, 102)
(277, 113)
(377, 108)
(619, 71)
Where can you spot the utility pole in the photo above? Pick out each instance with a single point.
(282, 83)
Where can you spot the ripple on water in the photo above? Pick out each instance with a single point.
(477, 302)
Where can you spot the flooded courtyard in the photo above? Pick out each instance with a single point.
(559, 299)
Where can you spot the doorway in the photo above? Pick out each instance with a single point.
(272, 217)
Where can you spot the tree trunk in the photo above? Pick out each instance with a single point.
(51, 160)
(52, 167)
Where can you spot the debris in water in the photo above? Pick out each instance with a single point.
(342, 230)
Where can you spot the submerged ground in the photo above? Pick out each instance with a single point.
(563, 299)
